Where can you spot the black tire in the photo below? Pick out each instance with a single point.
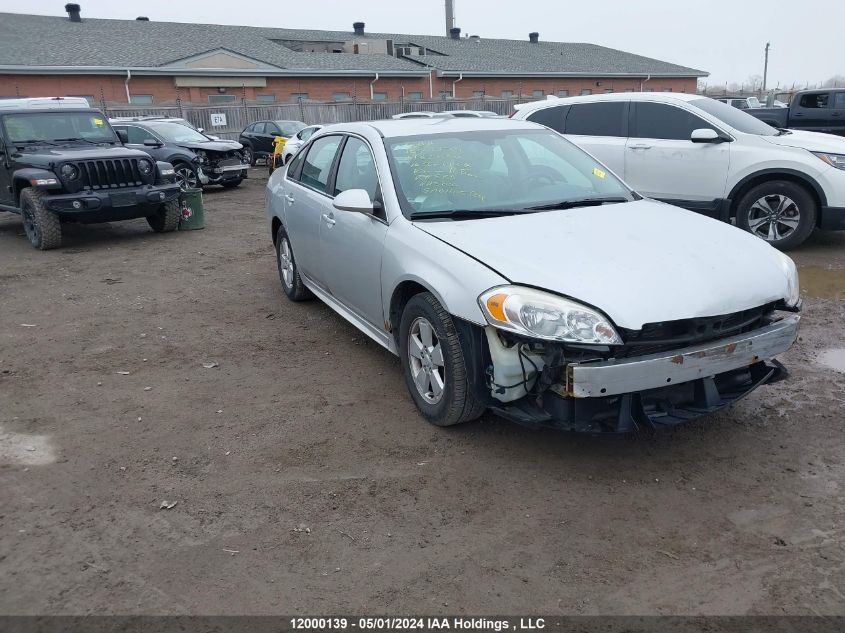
(249, 154)
(166, 219)
(457, 404)
(42, 226)
(186, 176)
(291, 282)
(231, 184)
(797, 203)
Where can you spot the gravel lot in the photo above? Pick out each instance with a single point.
(304, 481)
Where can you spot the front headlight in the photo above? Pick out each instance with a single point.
(538, 314)
(834, 160)
(202, 156)
(145, 167)
(793, 289)
(69, 172)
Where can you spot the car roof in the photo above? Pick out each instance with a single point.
(663, 97)
(436, 125)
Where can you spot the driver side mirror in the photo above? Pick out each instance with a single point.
(706, 135)
(354, 200)
(151, 142)
(123, 135)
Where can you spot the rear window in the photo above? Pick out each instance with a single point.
(597, 119)
(550, 117)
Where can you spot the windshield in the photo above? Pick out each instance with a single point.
(485, 170)
(737, 119)
(177, 133)
(56, 127)
(754, 102)
(290, 128)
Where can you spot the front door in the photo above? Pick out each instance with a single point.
(837, 114)
(812, 112)
(351, 243)
(662, 162)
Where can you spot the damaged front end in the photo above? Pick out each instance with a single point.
(217, 167)
(660, 376)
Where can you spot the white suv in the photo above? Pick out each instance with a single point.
(709, 157)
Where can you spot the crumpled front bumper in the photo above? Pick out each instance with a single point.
(659, 390)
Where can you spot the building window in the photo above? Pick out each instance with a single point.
(649, 89)
(414, 96)
(507, 94)
(221, 98)
(538, 93)
(299, 96)
(608, 89)
(341, 96)
(379, 96)
(265, 98)
(477, 94)
(667, 90)
(140, 99)
(629, 90)
(586, 91)
(562, 93)
(445, 94)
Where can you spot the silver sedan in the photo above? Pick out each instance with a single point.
(510, 270)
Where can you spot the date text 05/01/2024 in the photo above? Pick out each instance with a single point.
(416, 624)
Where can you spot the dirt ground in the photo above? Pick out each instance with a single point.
(304, 481)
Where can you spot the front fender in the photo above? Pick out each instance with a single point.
(34, 177)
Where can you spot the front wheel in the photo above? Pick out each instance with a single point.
(781, 212)
(249, 155)
(186, 176)
(433, 363)
(166, 219)
(42, 226)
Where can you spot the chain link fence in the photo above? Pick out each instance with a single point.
(236, 117)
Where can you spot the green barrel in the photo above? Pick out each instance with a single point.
(193, 216)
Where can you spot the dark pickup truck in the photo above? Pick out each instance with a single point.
(811, 110)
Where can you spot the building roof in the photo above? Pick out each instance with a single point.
(31, 41)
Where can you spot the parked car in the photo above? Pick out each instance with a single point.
(476, 114)
(709, 157)
(257, 138)
(298, 140)
(415, 115)
(60, 161)
(742, 103)
(172, 119)
(510, 270)
(198, 160)
(812, 110)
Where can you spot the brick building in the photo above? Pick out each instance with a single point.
(144, 62)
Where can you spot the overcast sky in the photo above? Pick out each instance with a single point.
(723, 37)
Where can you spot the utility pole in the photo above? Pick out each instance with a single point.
(766, 66)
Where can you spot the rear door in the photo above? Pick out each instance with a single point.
(600, 128)
(811, 111)
(662, 162)
(307, 200)
(837, 113)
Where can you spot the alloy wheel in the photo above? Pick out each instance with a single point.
(774, 217)
(425, 356)
(187, 178)
(247, 156)
(286, 263)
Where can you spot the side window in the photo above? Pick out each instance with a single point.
(597, 119)
(839, 101)
(550, 117)
(815, 100)
(137, 135)
(258, 128)
(659, 121)
(272, 129)
(295, 166)
(357, 169)
(318, 163)
(305, 134)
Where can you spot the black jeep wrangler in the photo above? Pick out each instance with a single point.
(60, 161)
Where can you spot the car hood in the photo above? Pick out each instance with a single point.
(639, 262)
(813, 141)
(213, 146)
(48, 155)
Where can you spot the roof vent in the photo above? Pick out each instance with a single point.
(455, 33)
(358, 27)
(73, 11)
(142, 18)
(534, 37)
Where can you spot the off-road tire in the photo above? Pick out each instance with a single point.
(458, 404)
(295, 290)
(800, 195)
(42, 226)
(166, 219)
(231, 184)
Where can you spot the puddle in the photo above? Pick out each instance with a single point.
(833, 358)
(29, 450)
(822, 283)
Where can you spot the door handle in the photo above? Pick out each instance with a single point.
(289, 198)
(329, 219)
(797, 114)
(640, 146)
